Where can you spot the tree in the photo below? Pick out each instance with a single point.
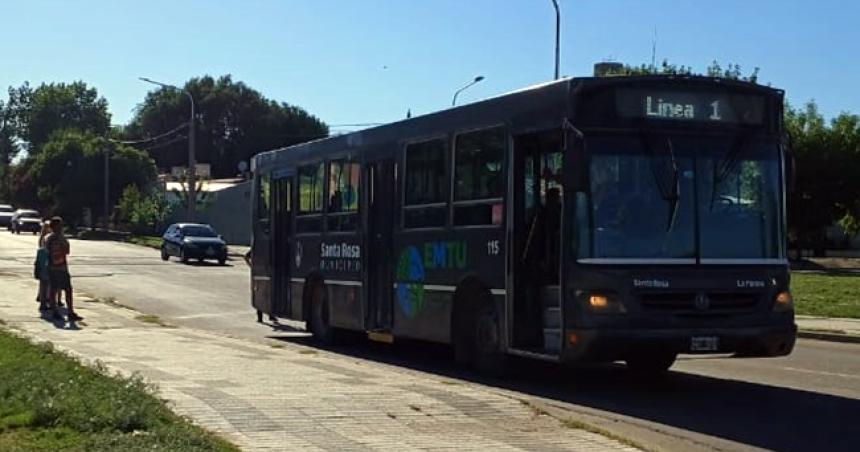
(41, 112)
(68, 173)
(8, 147)
(827, 158)
(234, 123)
(144, 212)
(731, 71)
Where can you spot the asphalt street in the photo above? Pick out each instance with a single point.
(809, 400)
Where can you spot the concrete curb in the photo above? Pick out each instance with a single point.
(828, 336)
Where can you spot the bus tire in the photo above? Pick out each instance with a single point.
(318, 320)
(488, 337)
(651, 363)
(478, 339)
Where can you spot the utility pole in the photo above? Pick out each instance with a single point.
(557, 35)
(192, 160)
(107, 185)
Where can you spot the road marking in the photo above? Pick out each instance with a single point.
(819, 372)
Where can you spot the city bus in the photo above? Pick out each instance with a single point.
(586, 219)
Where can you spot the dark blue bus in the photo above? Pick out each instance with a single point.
(586, 219)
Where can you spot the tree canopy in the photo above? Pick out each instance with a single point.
(827, 157)
(234, 122)
(42, 111)
(68, 173)
(715, 69)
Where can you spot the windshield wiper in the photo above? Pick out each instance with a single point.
(727, 165)
(669, 186)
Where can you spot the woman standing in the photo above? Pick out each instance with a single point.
(41, 273)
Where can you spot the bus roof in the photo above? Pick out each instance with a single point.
(529, 105)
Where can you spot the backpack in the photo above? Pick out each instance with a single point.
(40, 266)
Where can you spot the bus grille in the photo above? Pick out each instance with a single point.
(685, 303)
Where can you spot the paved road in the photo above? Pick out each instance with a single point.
(807, 401)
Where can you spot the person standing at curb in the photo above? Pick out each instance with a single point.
(247, 257)
(41, 272)
(58, 268)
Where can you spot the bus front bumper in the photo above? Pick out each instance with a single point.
(616, 344)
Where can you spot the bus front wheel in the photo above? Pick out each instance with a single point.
(479, 339)
(319, 318)
(651, 363)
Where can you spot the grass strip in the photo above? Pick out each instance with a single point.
(50, 401)
(146, 240)
(826, 295)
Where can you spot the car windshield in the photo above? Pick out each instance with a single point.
(30, 214)
(198, 231)
(649, 193)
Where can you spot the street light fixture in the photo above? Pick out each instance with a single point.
(192, 160)
(477, 79)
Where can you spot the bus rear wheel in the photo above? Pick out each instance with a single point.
(651, 363)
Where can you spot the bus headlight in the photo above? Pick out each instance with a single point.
(784, 301)
(605, 304)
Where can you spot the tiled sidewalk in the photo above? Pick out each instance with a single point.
(285, 397)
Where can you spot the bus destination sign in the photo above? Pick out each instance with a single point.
(693, 106)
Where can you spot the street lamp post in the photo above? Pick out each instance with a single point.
(476, 80)
(557, 34)
(192, 160)
(107, 185)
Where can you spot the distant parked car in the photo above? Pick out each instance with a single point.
(6, 212)
(25, 220)
(193, 241)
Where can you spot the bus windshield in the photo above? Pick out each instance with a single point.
(650, 194)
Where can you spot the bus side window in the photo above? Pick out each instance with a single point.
(425, 185)
(343, 195)
(478, 177)
(309, 217)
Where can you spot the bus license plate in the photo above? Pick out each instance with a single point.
(704, 344)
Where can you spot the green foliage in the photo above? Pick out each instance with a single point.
(48, 401)
(143, 212)
(234, 123)
(68, 173)
(43, 111)
(8, 147)
(731, 71)
(827, 157)
(203, 199)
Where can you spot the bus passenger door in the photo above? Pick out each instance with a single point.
(261, 244)
(537, 215)
(281, 223)
(380, 224)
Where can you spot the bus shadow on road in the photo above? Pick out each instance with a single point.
(759, 415)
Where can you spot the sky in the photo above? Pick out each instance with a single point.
(369, 61)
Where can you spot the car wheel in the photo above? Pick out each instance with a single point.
(222, 261)
(164, 255)
(182, 256)
(651, 363)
